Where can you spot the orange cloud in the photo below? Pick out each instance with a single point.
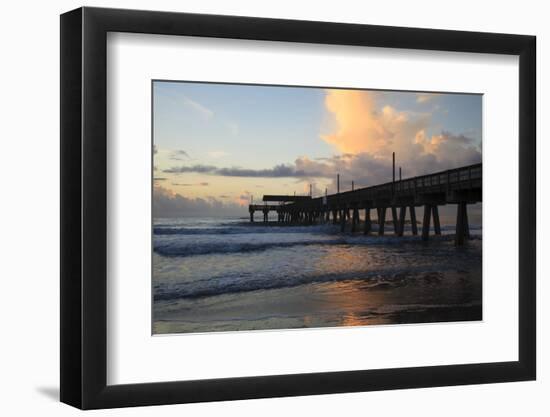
(244, 199)
(360, 126)
(363, 127)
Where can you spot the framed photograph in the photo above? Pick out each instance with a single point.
(258, 208)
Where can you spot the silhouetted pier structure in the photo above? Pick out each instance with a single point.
(460, 186)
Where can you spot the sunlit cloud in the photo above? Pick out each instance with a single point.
(373, 133)
(244, 199)
(361, 126)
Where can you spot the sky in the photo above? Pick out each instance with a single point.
(217, 147)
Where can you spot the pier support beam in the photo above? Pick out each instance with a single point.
(381, 220)
(394, 219)
(354, 219)
(251, 216)
(368, 224)
(343, 220)
(426, 222)
(402, 212)
(414, 227)
(462, 227)
(334, 216)
(466, 223)
(437, 226)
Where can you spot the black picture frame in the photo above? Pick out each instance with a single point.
(84, 207)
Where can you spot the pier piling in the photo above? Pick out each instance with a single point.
(381, 220)
(368, 224)
(462, 227)
(414, 227)
(394, 219)
(426, 222)
(437, 227)
(402, 212)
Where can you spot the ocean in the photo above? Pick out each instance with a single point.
(227, 274)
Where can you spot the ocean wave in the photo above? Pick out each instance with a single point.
(243, 229)
(238, 283)
(177, 246)
(191, 248)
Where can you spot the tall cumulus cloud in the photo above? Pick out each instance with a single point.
(362, 128)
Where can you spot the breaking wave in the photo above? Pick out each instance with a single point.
(243, 282)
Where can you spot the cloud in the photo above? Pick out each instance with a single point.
(203, 111)
(363, 127)
(425, 97)
(278, 171)
(371, 134)
(167, 203)
(443, 152)
(199, 168)
(244, 199)
(198, 184)
(426, 154)
(178, 155)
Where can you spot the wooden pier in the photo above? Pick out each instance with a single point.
(460, 187)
